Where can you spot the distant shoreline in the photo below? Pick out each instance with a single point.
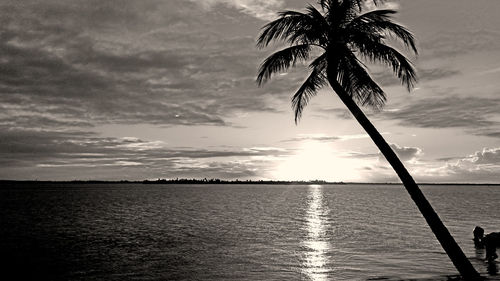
(224, 182)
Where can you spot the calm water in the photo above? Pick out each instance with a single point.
(239, 232)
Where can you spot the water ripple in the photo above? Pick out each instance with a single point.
(237, 232)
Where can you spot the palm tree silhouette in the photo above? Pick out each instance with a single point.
(333, 41)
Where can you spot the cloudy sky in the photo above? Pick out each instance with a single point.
(166, 88)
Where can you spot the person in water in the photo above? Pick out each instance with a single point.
(490, 242)
(478, 235)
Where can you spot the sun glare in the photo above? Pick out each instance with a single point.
(318, 161)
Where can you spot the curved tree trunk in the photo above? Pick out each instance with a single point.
(444, 237)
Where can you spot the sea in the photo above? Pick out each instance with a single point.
(77, 231)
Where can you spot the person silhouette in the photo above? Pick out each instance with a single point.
(490, 242)
(478, 233)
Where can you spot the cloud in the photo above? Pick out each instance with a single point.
(312, 137)
(490, 71)
(486, 156)
(481, 166)
(262, 9)
(370, 5)
(379, 170)
(445, 44)
(431, 74)
(327, 138)
(149, 62)
(447, 112)
(386, 78)
(405, 154)
(44, 153)
(362, 155)
(489, 133)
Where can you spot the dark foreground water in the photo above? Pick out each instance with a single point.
(236, 232)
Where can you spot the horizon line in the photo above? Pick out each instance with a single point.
(236, 181)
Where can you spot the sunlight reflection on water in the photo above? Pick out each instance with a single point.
(315, 264)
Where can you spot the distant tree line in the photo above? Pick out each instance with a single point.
(236, 181)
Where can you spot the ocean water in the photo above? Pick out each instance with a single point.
(236, 232)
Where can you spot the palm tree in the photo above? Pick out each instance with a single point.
(334, 40)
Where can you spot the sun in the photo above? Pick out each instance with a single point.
(316, 160)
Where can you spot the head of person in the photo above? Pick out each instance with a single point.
(478, 233)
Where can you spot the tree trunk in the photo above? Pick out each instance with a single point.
(444, 237)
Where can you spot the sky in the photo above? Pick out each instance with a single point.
(111, 90)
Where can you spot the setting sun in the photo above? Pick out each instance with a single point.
(316, 160)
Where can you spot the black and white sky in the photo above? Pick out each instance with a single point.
(164, 89)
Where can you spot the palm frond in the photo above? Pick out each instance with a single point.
(320, 26)
(377, 51)
(281, 61)
(355, 79)
(341, 12)
(379, 21)
(293, 27)
(332, 4)
(324, 4)
(319, 62)
(309, 89)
